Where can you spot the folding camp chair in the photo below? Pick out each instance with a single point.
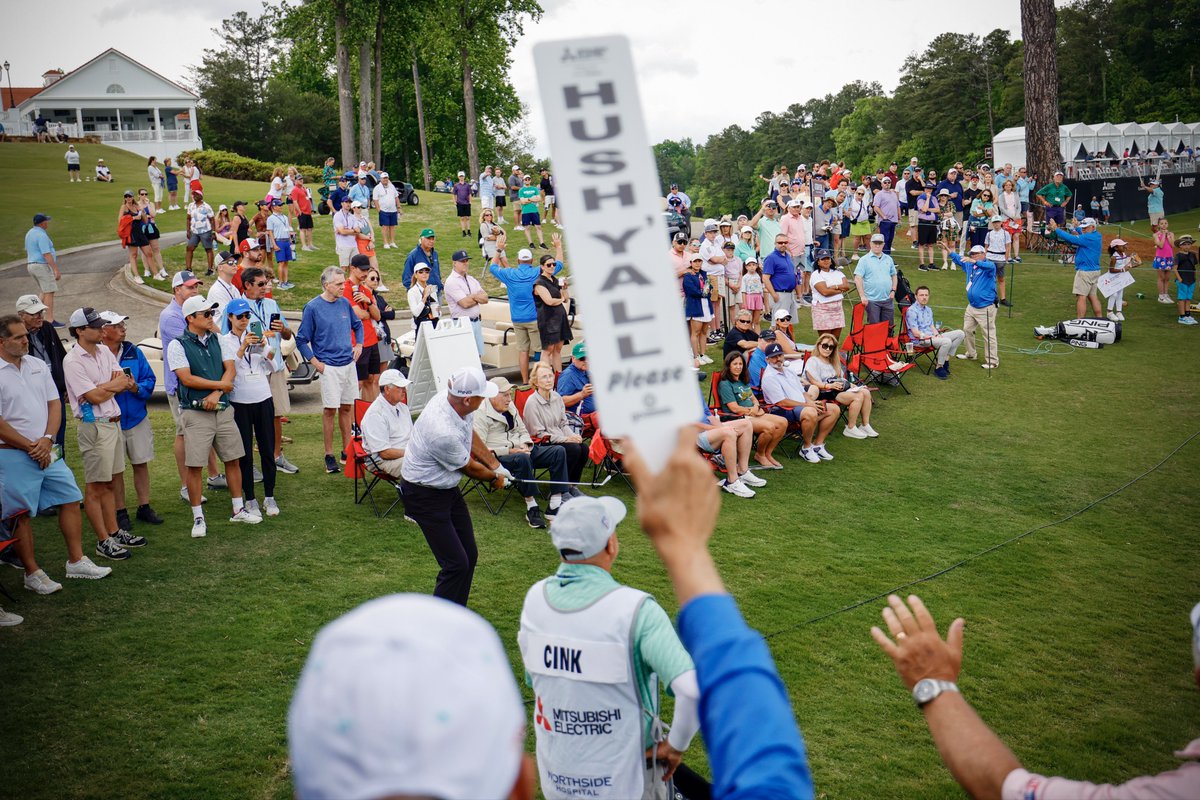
(910, 349)
(4, 545)
(606, 461)
(877, 359)
(361, 467)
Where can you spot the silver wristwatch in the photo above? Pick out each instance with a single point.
(928, 689)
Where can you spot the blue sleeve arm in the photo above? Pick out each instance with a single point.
(304, 335)
(145, 377)
(957, 259)
(408, 271)
(558, 267)
(1067, 237)
(754, 746)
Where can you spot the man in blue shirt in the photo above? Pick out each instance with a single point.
(952, 184)
(575, 385)
(42, 265)
(361, 192)
(758, 358)
(337, 195)
(135, 423)
(779, 276)
(1088, 244)
(875, 276)
(981, 302)
(324, 339)
(424, 253)
(519, 281)
(922, 330)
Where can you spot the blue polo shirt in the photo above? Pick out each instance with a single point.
(571, 381)
(876, 272)
(519, 281)
(780, 267)
(37, 245)
(1154, 201)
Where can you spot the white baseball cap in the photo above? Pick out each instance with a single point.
(879, 237)
(1087, 222)
(356, 204)
(978, 249)
(383, 175)
(30, 304)
(583, 526)
(747, 229)
(794, 204)
(406, 695)
(524, 254)
(197, 303)
(470, 382)
(393, 377)
(781, 313)
(112, 317)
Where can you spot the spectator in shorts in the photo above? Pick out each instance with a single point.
(547, 189)
(386, 198)
(362, 301)
(202, 360)
(136, 431)
(45, 345)
(72, 157)
(267, 313)
(530, 196)
(733, 441)
(924, 211)
(94, 379)
(779, 276)
(519, 281)
(199, 230)
(387, 424)
(1184, 268)
(32, 479)
(302, 208)
(501, 196)
(875, 277)
(345, 232)
(42, 264)
(1088, 244)
(783, 390)
(922, 330)
(487, 189)
(462, 202)
(998, 243)
(279, 242)
(324, 338)
(424, 253)
(1055, 196)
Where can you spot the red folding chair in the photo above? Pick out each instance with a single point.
(877, 359)
(909, 349)
(361, 467)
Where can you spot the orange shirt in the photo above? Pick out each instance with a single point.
(370, 337)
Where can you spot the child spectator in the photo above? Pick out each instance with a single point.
(1185, 276)
(1119, 261)
(279, 232)
(1164, 259)
(752, 290)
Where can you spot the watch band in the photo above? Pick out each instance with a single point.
(929, 689)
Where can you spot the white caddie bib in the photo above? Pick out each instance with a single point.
(587, 715)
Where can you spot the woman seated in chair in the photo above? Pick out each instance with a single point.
(737, 400)
(546, 420)
(827, 380)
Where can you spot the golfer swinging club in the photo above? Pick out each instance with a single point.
(443, 447)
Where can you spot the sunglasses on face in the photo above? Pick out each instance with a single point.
(208, 313)
(743, 322)
(262, 284)
(784, 319)
(826, 346)
(242, 316)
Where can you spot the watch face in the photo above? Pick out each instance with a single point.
(925, 691)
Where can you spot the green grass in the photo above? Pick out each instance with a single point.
(172, 677)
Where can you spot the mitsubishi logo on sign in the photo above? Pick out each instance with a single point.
(540, 717)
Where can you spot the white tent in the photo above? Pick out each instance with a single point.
(1009, 147)
(1108, 139)
(1133, 138)
(1195, 127)
(1076, 141)
(1158, 138)
(1181, 136)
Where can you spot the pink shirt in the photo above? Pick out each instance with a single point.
(459, 287)
(1182, 783)
(85, 372)
(796, 230)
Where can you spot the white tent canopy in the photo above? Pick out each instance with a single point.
(1181, 136)
(1133, 137)
(1157, 137)
(1076, 139)
(1108, 139)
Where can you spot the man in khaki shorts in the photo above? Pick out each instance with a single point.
(94, 379)
(519, 280)
(203, 362)
(266, 312)
(42, 263)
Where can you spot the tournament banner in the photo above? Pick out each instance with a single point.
(606, 184)
(1127, 202)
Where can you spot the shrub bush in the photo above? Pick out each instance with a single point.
(223, 164)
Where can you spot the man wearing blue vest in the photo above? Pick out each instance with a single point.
(203, 363)
(581, 632)
(1088, 244)
(981, 303)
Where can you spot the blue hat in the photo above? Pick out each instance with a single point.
(773, 350)
(238, 305)
(823, 253)
(276, 202)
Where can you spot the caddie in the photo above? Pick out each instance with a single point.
(595, 652)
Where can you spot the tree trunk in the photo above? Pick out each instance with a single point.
(1039, 31)
(345, 95)
(421, 126)
(469, 110)
(365, 97)
(377, 149)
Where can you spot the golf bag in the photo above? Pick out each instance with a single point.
(1092, 333)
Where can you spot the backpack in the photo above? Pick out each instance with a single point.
(904, 292)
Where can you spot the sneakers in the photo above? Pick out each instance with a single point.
(1187, 320)
(941, 373)
(518, 227)
(854, 433)
(573, 491)
(218, 481)
(738, 487)
(283, 465)
(86, 569)
(1120, 316)
(1016, 260)
(286, 285)
(822, 453)
(8, 619)
(9, 556)
(40, 583)
(989, 366)
(127, 539)
(808, 455)
(704, 359)
(1162, 298)
(271, 507)
(138, 280)
(750, 479)
(534, 517)
(964, 357)
(246, 517)
(146, 514)
(199, 528)
(331, 465)
(1112, 315)
(183, 495)
(109, 548)
(123, 521)
(869, 431)
(922, 267)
